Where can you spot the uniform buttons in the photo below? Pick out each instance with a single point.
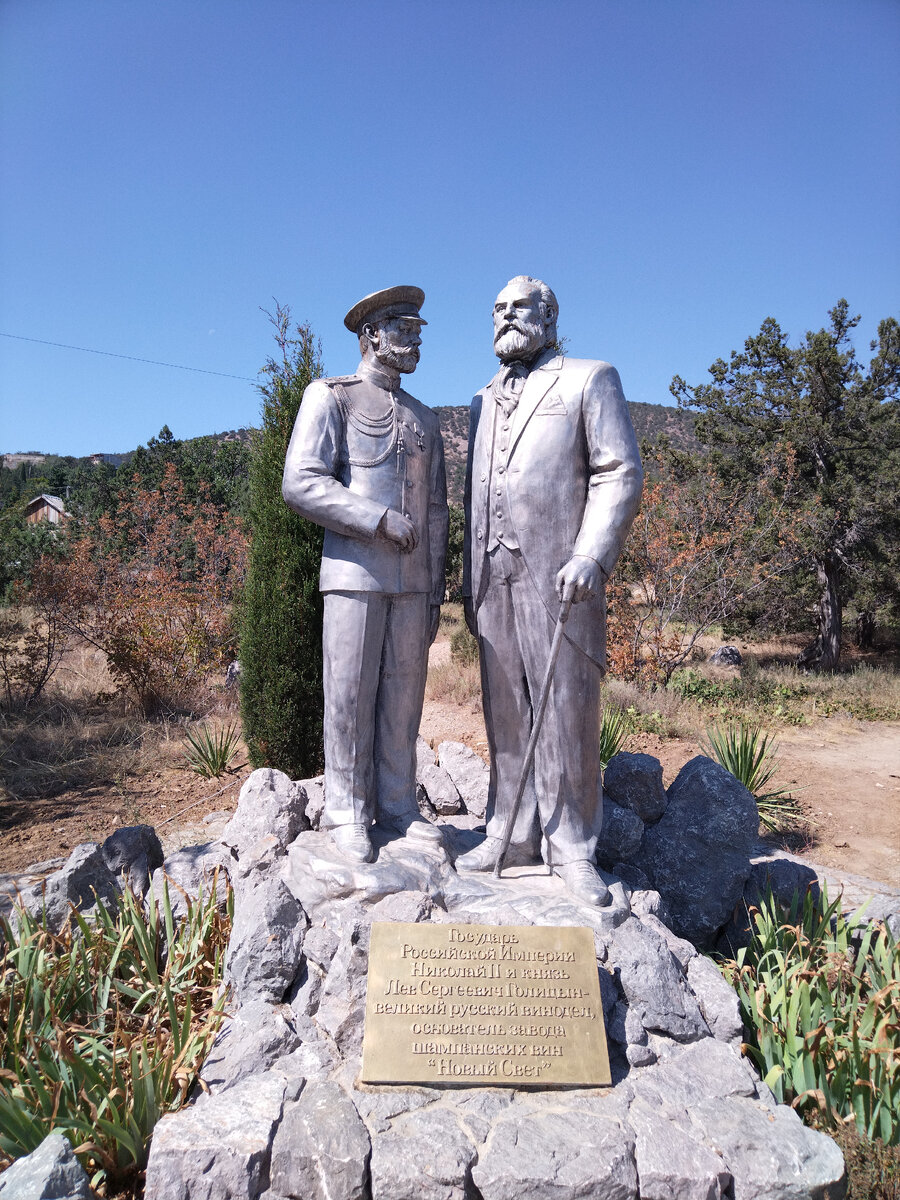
(500, 470)
(480, 535)
(483, 478)
(506, 429)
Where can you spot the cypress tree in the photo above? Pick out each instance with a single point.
(281, 608)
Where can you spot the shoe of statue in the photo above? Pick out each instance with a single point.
(353, 842)
(582, 880)
(414, 827)
(482, 858)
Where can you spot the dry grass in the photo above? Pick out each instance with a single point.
(454, 683)
(81, 734)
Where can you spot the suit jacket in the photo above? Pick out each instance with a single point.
(574, 483)
(332, 477)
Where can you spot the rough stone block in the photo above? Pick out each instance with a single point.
(83, 879)
(551, 1155)
(269, 804)
(469, 773)
(717, 999)
(621, 833)
(133, 854)
(671, 1164)
(219, 1148)
(698, 853)
(266, 945)
(636, 782)
(321, 1149)
(52, 1172)
(190, 871)
(425, 1155)
(654, 983)
(248, 1043)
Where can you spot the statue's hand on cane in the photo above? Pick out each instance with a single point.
(581, 578)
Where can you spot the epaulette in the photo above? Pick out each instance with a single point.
(332, 379)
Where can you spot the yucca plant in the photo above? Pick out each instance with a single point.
(820, 1001)
(750, 755)
(208, 752)
(104, 1026)
(614, 729)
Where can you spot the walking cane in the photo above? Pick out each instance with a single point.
(535, 732)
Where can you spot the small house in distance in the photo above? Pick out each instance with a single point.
(45, 508)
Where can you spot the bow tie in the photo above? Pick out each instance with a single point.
(508, 385)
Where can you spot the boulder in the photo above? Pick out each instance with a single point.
(469, 773)
(269, 804)
(52, 1172)
(82, 882)
(425, 1155)
(621, 833)
(440, 791)
(653, 983)
(191, 871)
(717, 999)
(220, 1147)
(556, 1155)
(771, 1155)
(133, 854)
(672, 1164)
(315, 799)
(698, 854)
(785, 877)
(321, 1149)
(249, 1042)
(726, 656)
(636, 781)
(266, 945)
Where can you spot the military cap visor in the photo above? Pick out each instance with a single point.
(392, 302)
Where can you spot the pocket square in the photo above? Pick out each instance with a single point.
(552, 404)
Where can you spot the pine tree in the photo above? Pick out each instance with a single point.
(281, 608)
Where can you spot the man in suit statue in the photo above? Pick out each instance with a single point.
(366, 461)
(552, 486)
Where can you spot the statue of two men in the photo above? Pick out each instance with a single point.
(553, 483)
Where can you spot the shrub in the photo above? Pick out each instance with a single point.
(749, 754)
(463, 646)
(104, 1026)
(208, 752)
(614, 729)
(281, 608)
(820, 1001)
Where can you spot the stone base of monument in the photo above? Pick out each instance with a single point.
(286, 1116)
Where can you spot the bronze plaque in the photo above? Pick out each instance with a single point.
(484, 1004)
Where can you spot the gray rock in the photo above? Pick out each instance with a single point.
(266, 944)
(423, 1156)
(621, 833)
(269, 804)
(409, 906)
(717, 999)
(342, 1003)
(320, 945)
(248, 1043)
(218, 1148)
(51, 1172)
(771, 1154)
(134, 854)
(469, 773)
(683, 950)
(726, 656)
(82, 881)
(636, 782)
(315, 799)
(321, 1149)
(884, 908)
(671, 1164)
(698, 853)
(379, 1108)
(782, 875)
(654, 983)
(441, 792)
(705, 1070)
(191, 871)
(553, 1155)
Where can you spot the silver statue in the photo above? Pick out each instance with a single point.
(552, 486)
(366, 461)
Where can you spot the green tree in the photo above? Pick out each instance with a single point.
(281, 608)
(841, 423)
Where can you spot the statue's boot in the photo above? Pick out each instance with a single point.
(583, 881)
(485, 855)
(415, 827)
(353, 842)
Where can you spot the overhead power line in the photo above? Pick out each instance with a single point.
(131, 357)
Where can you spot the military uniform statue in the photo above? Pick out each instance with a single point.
(366, 461)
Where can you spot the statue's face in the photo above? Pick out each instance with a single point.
(520, 331)
(398, 342)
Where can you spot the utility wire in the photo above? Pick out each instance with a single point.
(131, 358)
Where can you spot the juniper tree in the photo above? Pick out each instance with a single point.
(841, 423)
(281, 609)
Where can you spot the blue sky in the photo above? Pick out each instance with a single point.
(676, 171)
